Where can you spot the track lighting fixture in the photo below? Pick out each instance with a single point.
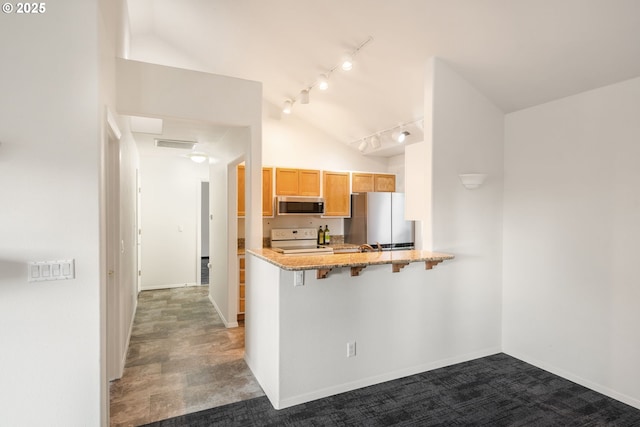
(401, 136)
(375, 142)
(287, 106)
(347, 62)
(304, 96)
(323, 82)
(398, 133)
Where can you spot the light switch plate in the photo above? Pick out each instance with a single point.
(40, 271)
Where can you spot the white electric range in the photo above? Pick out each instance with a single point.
(297, 241)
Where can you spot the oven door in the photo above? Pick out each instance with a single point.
(300, 206)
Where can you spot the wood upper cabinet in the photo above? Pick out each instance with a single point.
(361, 182)
(297, 182)
(241, 185)
(336, 193)
(384, 182)
(267, 191)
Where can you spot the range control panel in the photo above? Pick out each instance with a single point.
(293, 234)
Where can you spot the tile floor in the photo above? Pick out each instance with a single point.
(181, 359)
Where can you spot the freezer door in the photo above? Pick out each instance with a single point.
(401, 230)
(379, 218)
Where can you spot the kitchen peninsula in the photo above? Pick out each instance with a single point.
(325, 324)
(323, 264)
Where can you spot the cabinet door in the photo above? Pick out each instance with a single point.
(286, 182)
(336, 193)
(308, 182)
(383, 182)
(361, 182)
(267, 191)
(241, 209)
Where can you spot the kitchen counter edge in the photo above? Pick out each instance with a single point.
(313, 262)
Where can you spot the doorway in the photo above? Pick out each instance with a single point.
(204, 232)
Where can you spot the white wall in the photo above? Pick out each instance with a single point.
(169, 207)
(402, 323)
(50, 134)
(571, 233)
(463, 134)
(291, 142)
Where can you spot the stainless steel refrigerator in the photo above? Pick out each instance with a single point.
(379, 218)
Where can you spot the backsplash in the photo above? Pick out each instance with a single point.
(266, 241)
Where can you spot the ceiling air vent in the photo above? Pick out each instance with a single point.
(174, 143)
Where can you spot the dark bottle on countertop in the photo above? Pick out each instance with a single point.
(320, 236)
(327, 236)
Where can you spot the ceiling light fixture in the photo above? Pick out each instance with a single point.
(375, 142)
(398, 133)
(363, 146)
(322, 83)
(347, 62)
(304, 96)
(198, 156)
(288, 105)
(401, 136)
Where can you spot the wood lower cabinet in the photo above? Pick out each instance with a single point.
(241, 287)
(336, 193)
(297, 182)
(267, 191)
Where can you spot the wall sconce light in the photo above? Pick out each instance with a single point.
(471, 181)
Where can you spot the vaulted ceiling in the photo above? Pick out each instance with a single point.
(519, 53)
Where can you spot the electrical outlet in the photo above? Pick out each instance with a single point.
(298, 278)
(351, 349)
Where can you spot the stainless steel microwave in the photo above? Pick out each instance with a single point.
(288, 205)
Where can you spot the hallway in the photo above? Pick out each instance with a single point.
(181, 359)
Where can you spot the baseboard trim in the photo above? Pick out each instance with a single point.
(227, 324)
(169, 286)
(128, 340)
(577, 379)
(377, 379)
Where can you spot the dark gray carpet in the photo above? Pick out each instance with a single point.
(492, 391)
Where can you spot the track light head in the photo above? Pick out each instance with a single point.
(347, 62)
(304, 96)
(401, 136)
(363, 146)
(375, 142)
(323, 82)
(287, 106)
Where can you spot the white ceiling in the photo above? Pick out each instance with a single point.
(519, 53)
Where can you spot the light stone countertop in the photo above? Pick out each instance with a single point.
(356, 261)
